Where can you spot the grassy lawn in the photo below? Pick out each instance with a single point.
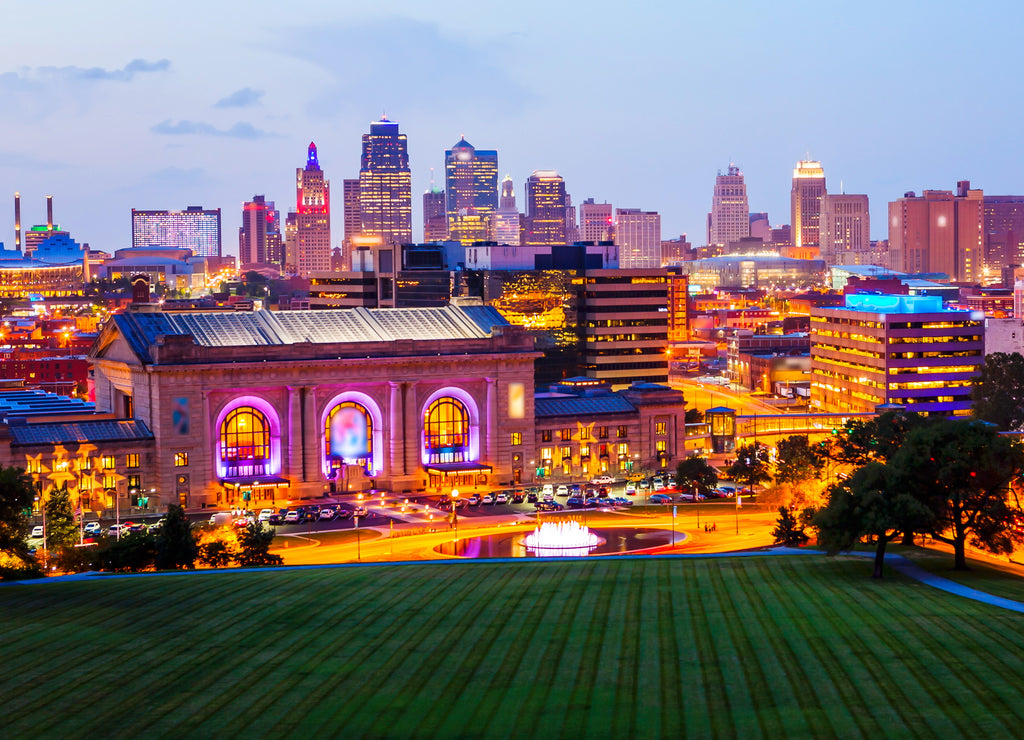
(801, 646)
(984, 576)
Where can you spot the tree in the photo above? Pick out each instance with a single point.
(788, 531)
(998, 392)
(868, 504)
(695, 472)
(176, 542)
(254, 543)
(797, 460)
(962, 470)
(61, 528)
(134, 551)
(751, 465)
(216, 554)
(878, 439)
(694, 416)
(16, 494)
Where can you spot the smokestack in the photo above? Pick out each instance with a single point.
(49, 213)
(17, 221)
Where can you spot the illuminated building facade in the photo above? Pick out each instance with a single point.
(729, 220)
(638, 236)
(597, 223)
(435, 219)
(845, 230)
(259, 236)
(939, 232)
(385, 184)
(545, 208)
(268, 406)
(805, 209)
(1004, 231)
(195, 228)
(899, 349)
(506, 223)
(353, 218)
(471, 181)
(312, 240)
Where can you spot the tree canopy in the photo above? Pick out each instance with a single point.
(61, 524)
(696, 472)
(797, 460)
(175, 543)
(16, 495)
(998, 393)
(751, 466)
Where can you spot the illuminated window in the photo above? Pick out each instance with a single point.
(584, 450)
(34, 466)
(566, 452)
(109, 481)
(446, 431)
(108, 462)
(567, 434)
(545, 453)
(602, 432)
(133, 460)
(623, 449)
(180, 459)
(661, 427)
(517, 439)
(85, 483)
(348, 432)
(245, 441)
(134, 481)
(660, 445)
(620, 432)
(584, 433)
(545, 435)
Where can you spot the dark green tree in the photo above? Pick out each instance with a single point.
(962, 470)
(798, 460)
(695, 472)
(16, 495)
(134, 551)
(998, 392)
(788, 531)
(254, 546)
(869, 505)
(860, 442)
(751, 465)
(216, 554)
(176, 542)
(61, 524)
(694, 416)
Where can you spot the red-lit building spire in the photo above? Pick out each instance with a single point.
(311, 161)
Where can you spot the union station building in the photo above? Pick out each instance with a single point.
(262, 408)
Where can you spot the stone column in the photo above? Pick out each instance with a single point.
(292, 439)
(395, 431)
(411, 436)
(490, 448)
(311, 437)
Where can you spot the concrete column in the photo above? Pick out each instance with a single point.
(311, 437)
(411, 436)
(293, 434)
(395, 431)
(491, 446)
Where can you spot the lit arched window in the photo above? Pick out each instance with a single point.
(245, 440)
(348, 432)
(446, 430)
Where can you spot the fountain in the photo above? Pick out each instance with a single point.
(562, 539)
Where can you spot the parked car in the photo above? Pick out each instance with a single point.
(37, 531)
(661, 498)
(549, 506)
(531, 497)
(293, 517)
(602, 480)
(327, 513)
(359, 511)
(344, 513)
(474, 500)
(265, 515)
(620, 501)
(631, 488)
(501, 498)
(575, 489)
(643, 486)
(691, 497)
(658, 484)
(574, 502)
(518, 497)
(487, 499)
(547, 490)
(562, 490)
(92, 529)
(113, 531)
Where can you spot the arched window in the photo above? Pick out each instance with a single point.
(348, 432)
(446, 430)
(245, 442)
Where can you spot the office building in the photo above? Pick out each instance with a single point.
(900, 349)
(506, 223)
(845, 230)
(805, 209)
(385, 184)
(638, 236)
(545, 208)
(760, 228)
(471, 181)
(1004, 231)
(195, 228)
(312, 217)
(674, 251)
(597, 221)
(259, 237)
(939, 232)
(435, 218)
(353, 223)
(729, 220)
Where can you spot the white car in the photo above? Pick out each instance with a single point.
(657, 484)
(501, 498)
(562, 491)
(115, 530)
(487, 499)
(631, 488)
(265, 514)
(92, 528)
(292, 517)
(37, 531)
(602, 480)
(547, 491)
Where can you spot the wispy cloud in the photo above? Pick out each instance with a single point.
(240, 98)
(27, 79)
(240, 130)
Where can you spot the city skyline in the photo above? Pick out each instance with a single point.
(195, 126)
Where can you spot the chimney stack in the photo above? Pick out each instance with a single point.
(49, 213)
(17, 221)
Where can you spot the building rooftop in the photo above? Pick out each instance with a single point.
(21, 404)
(80, 432)
(581, 405)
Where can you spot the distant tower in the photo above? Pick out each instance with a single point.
(313, 216)
(471, 180)
(435, 218)
(353, 219)
(638, 235)
(506, 223)
(17, 221)
(49, 213)
(507, 201)
(845, 230)
(545, 208)
(597, 222)
(805, 207)
(385, 184)
(259, 237)
(730, 212)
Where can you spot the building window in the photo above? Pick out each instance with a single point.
(545, 435)
(109, 481)
(85, 483)
(133, 460)
(135, 481)
(566, 467)
(623, 449)
(620, 432)
(602, 432)
(660, 445)
(348, 434)
(109, 462)
(34, 466)
(85, 463)
(661, 428)
(180, 459)
(545, 453)
(245, 442)
(584, 433)
(517, 439)
(584, 450)
(566, 451)
(446, 431)
(567, 434)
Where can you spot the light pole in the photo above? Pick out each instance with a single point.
(455, 515)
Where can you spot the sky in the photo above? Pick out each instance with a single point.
(114, 105)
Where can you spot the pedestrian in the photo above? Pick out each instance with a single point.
(714, 527)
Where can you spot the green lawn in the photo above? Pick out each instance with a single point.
(982, 576)
(802, 646)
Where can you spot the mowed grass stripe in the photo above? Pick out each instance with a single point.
(706, 620)
(693, 699)
(671, 679)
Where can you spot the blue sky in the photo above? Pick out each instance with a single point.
(113, 105)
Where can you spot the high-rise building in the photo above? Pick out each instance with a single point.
(845, 230)
(545, 208)
(638, 236)
(1004, 231)
(760, 228)
(597, 222)
(572, 231)
(805, 208)
(312, 217)
(730, 213)
(471, 180)
(194, 228)
(939, 232)
(674, 251)
(350, 206)
(259, 237)
(507, 200)
(506, 224)
(385, 184)
(435, 219)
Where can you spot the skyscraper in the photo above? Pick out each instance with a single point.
(350, 206)
(805, 208)
(638, 236)
(730, 213)
(385, 184)
(471, 179)
(845, 230)
(259, 237)
(506, 222)
(545, 208)
(939, 232)
(312, 217)
(596, 221)
(194, 228)
(435, 219)
(1004, 231)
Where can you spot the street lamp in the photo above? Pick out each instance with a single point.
(455, 515)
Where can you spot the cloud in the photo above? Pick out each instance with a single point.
(28, 79)
(240, 98)
(240, 130)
